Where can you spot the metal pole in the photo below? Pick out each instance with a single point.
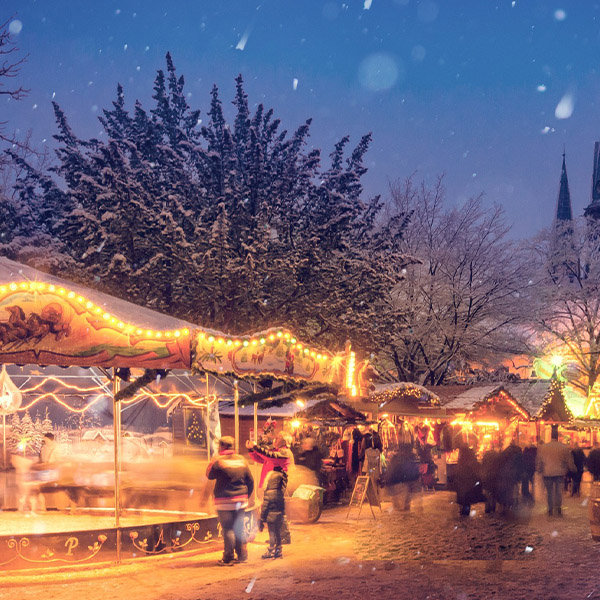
(117, 455)
(255, 415)
(236, 415)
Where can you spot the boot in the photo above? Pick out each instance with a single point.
(278, 553)
(270, 553)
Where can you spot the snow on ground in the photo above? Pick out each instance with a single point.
(429, 553)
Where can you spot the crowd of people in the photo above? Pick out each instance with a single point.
(506, 478)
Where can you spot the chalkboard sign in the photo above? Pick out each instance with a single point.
(363, 488)
(360, 491)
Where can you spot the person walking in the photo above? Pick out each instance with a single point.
(579, 460)
(554, 460)
(234, 484)
(273, 510)
(280, 455)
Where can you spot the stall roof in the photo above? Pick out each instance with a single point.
(14, 272)
(404, 398)
(529, 394)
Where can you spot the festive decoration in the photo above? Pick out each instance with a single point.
(405, 393)
(51, 325)
(554, 408)
(195, 433)
(10, 395)
(499, 401)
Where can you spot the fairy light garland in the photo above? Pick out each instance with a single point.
(259, 342)
(100, 312)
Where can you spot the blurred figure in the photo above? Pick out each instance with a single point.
(510, 475)
(528, 474)
(273, 510)
(401, 476)
(467, 481)
(310, 457)
(372, 462)
(554, 460)
(576, 476)
(234, 484)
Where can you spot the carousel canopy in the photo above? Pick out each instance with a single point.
(50, 321)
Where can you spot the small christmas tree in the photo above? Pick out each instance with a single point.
(15, 435)
(554, 407)
(195, 431)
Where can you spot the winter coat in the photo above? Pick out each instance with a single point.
(402, 468)
(529, 456)
(270, 458)
(233, 480)
(311, 459)
(467, 479)
(554, 459)
(273, 505)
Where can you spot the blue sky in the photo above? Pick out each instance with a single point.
(469, 88)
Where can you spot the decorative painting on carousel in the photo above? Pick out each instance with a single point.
(50, 325)
(274, 352)
(52, 550)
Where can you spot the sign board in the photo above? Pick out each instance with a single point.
(364, 488)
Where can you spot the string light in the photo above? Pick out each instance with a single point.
(89, 305)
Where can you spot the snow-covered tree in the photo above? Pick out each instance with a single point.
(463, 300)
(566, 312)
(235, 225)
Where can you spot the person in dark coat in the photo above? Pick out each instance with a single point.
(467, 481)
(310, 457)
(234, 484)
(273, 510)
(579, 460)
(527, 486)
(401, 476)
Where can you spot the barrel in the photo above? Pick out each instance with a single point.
(595, 510)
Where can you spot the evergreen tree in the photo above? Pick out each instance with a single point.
(233, 226)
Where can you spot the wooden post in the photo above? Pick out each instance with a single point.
(207, 420)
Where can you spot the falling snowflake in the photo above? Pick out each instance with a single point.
(295, 84)
(15, 27)
(367, 4)
(541, 88)
(560, 14)
(564, 109)
(244, 39)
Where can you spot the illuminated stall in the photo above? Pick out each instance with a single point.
(122, 356)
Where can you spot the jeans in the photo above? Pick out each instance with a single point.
(554, 489)
(234, 536)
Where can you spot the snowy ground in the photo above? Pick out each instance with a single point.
(429, 553)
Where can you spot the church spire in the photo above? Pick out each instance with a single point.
(593, 209)
(563, 207)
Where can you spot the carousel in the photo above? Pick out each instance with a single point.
(109, 419)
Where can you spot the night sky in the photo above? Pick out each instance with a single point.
(485, 92)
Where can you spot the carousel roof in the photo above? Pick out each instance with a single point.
(14, 272)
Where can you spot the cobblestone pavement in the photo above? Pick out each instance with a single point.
(429, 553)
